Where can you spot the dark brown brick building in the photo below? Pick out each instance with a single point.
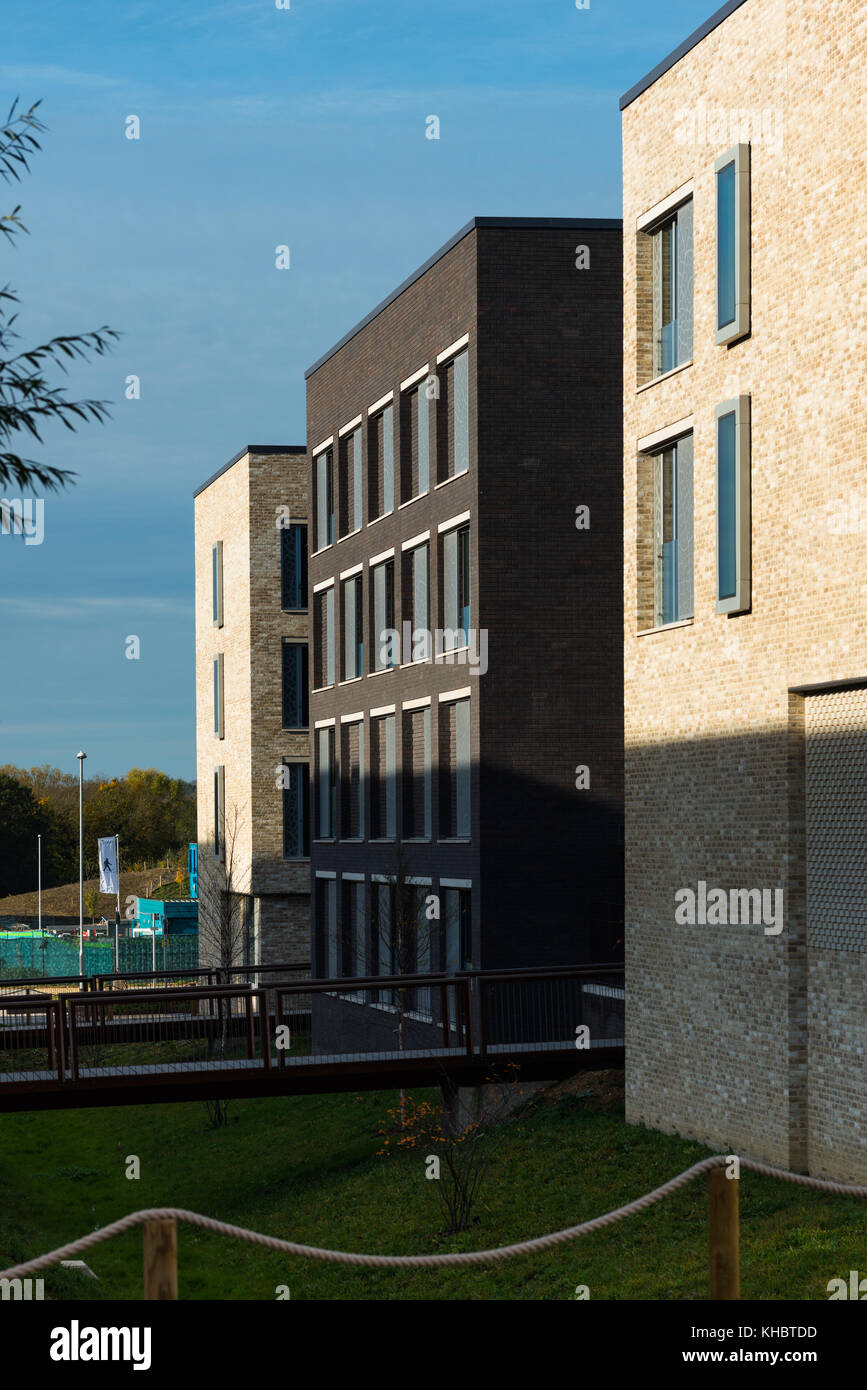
(453, 436)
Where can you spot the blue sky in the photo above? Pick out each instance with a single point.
(259, 127)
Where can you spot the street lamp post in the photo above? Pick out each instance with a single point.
(39, 881)
(81, 757)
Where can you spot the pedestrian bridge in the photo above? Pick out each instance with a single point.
(271, 1030)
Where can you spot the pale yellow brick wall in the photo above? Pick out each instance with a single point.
(713, 1013)
(242, 509)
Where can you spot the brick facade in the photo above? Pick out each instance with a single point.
(242, 507)
(748, 1040)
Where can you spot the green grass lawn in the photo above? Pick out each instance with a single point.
(307, 1169)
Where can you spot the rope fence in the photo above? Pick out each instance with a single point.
(160, 1233)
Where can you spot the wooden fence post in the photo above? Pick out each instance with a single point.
(724, 1236)
(161, 1259)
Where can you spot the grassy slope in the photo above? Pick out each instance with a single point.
(63, 900)
(307, 1169)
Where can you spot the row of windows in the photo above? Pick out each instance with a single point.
(363, 790)
(671, 251)
(385, 650)
(666, 563)
(390, 928)
(433, 437)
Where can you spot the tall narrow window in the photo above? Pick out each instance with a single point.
(217, 582)
(352, 780)
(455, 770)
(381, 455)
(353, 629)
(327, 784)
(326, 927)
(416, 590)
(453, 418)
(324, 637)
(296, 802)
(219, 697)
(732, 172)
(219, 811)
(295, 712)
(416, 774)
(384, 778)
(353, 953)
(456, 588)
(673, 533)
(672, 291)
(415, 443)
(293, 567)
(733, 505)
(384, 655)
(324, 499)
(458, 929)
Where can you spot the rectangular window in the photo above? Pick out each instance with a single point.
(353, 932)
(353, 629)
(416, 774)
(383, 808)
(416, 599)
(293, 567)
(673, 533)
(349, 487)
(456, 588)
(381, 455)
(324, 499)
(453, 418)
(295, 704)
(415, 443)
(217, 582)
(327, 784)
(326, 927)
(672, 290)
(219, 811)
(732, 171)
(324, 637)
(455, 770)
(384, 654)
(296, 807)
(352, 780)
(733, 593)
(458, 929)
(219, 697)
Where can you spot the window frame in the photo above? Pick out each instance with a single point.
(305, 688)
(303, 767)
(741, 600)
(739, 326)
(217, 583)
(219, 696)
(303, 591)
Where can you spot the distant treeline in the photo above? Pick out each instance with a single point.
(154, 815)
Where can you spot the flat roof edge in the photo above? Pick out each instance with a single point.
(578, 223)
(682, 49)
(250, 449)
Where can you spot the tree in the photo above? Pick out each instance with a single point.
(20, 823)
(91, 902)
(27, 401)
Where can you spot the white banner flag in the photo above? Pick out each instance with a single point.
(108, 865)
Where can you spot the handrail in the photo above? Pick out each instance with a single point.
(160, 1233)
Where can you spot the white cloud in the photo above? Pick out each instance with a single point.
(87, 606)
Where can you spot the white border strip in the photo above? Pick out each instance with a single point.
(347, 574)
(416, 376)
(348, 428)
(383, 401)
(420, 882)
(356, 878)
(453, 348)
(323, 584)
(383, 555)
(325, 873)
(417, 540)
(672, 432)
(668, 204)
(324, 445)
(456, 883)
(422, 703)
(352, 718)
(452, 522)
(381, 710)
(455, 694)
(324, 723)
